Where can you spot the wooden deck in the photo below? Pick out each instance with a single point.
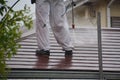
(85, 55)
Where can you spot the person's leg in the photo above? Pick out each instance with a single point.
(59, 24)
(42, 29)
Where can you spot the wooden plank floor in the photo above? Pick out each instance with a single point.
(85, 55)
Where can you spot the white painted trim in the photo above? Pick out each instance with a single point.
(108, 13)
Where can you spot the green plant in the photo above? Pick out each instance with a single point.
(10, 31)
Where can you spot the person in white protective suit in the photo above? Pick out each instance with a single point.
(54, 11)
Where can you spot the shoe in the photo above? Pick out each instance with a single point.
(68, 52)
(42, 52)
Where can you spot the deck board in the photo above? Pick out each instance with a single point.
(85, 55)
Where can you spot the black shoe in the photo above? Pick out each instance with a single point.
(42, 52)
(68, 52)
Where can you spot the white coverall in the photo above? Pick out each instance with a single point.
(52, 10)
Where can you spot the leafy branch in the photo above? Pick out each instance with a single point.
(10, 31)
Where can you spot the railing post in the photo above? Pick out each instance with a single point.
(101, 77)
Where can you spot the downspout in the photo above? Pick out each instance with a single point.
(108, 13)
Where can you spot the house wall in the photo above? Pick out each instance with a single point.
(115, 10)
(102, 7)
(81, 18)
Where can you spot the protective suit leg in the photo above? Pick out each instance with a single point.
(42, 29)
(59, 24)
(55, 10)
